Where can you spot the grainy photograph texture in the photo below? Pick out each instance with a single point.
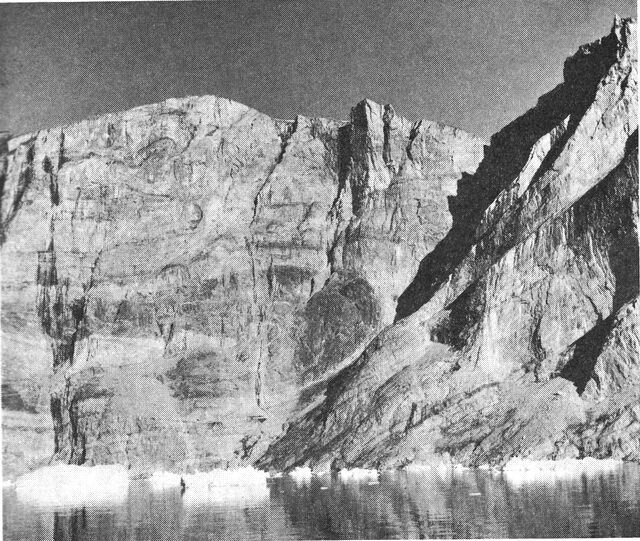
(319, 270)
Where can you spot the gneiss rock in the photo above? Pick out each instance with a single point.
(179, 280)
(519, 334)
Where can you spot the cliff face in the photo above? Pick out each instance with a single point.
(180, 279)
(195, 284)
(519, 334)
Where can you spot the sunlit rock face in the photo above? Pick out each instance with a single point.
(519, 334)
(179, 280)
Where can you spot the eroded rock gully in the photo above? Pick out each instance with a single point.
(193, 284)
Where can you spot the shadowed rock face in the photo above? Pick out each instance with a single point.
(519, 333)
(180, 279)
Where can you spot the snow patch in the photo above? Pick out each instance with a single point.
(68, 485)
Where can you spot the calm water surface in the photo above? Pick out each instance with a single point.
(403, 505)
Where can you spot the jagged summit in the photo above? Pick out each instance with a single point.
(182, 106)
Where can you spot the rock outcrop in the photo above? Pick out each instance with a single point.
(178, 280)
(193, 284)
(519, 334)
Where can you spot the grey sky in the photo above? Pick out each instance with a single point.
(470, 63)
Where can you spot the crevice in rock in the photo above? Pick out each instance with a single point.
(285, 139)
(54, 192)
(361, 151)
(413, 134)
(270, 278)
(69, 440)
(248, 444)
(62, 158)
(258, 315)
(387, 118)
(345, 164)
(580, 369)
(250, 243)
(112, 134)
(63, 320)
(25, 179)
(464, 312)
(58, 423)
(78, 438)
(259, 389)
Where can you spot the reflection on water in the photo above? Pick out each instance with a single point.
(472, 504)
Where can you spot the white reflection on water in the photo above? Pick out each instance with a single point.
(426, 503)
(229, 495)
(68, 485)
(522, 471)
(358, 474)
(301, 475)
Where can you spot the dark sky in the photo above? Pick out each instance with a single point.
(475, 64)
